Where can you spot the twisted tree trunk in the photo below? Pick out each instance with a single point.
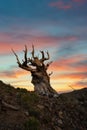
(38, 69)
(41, 82)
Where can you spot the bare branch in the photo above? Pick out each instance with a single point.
(28, 68)
(24, 64)
(48, 64)
(25, 61)
(16, 57)
(38, 69)
(43, 56)
(42, 52)
(50, 73)
(29, 63)
(25, 51)
(29, 60)
(33, 51)
(48, 56)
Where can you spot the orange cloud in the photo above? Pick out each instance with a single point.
(81, 68)
(80, 84)
(66, 64)
(13, 74)
(75, 75)
(69, 77)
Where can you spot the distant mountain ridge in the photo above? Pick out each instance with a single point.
(24, 110)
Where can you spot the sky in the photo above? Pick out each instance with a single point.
(59, 26)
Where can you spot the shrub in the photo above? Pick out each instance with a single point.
(32, 124)
(27, 99)
(34, 112)
(22, 90)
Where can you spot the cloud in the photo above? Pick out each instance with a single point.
(61, 5)
(79, 1)
(40, 37)
(55, 39)
(80, 84)
(12, 74)
(67, 5)
(70, 76)
(5, 47)
(69, 68)
(17, 41)
(75, 75)
(80, 68)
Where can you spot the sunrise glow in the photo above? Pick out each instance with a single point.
(57, 26)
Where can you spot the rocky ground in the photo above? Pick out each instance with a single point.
(23, 110)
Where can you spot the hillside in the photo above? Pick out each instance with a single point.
(24, 110)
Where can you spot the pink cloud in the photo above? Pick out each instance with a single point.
(67, 5)
(60, 5)
(5, 47)
(50, 40)
(81, 68)
(5, 35)
(79, 1)
(66, 64)
(38, 41)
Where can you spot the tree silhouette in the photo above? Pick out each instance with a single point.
(38, 69)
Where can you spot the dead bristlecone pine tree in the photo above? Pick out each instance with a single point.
(38, 69)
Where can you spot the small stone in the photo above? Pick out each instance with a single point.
(40, 106)
(56, 95)
(57, 128)
(60, 122)
(26, 113)
(61, 114)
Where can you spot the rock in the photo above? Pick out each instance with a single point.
(60, 122)
(57, 128)
(26, 113)
(16, 108)
(56, 95)
(61, 114)
(40, 106)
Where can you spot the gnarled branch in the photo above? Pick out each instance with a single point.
(16, 57)
(24, 64)
(42, 52)
(28, 63)
(48, 64)
(38, 69)
(25, 61)
(32, 52)
(43, 56)
(50, 73)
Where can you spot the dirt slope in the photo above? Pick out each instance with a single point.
(23, 110)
